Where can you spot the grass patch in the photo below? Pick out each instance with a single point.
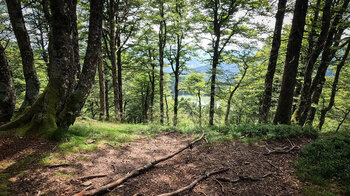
(326, 163)
(87, 135)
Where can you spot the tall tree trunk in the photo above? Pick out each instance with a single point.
(153, 86)
(7, 92)
(313, 55)
(215, 63)
(145, 106)
(112, 42)
(120, 85)
(78, 97)
(177, 75)
(30, 76)
(176, 98)
(162, 40)
(285, 100)
(200, 108)
(102, 89)
(334, 88)
(231, 95)
(276, 42)
(106, 98)
(166, 110)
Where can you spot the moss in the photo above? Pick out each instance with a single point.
(4, 183)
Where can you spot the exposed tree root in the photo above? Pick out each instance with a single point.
(194, 183)
(283, 150)
(244, 178)
(136, 172)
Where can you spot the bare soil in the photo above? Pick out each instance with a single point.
(259, 174)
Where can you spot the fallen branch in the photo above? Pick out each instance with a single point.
(136, 172)
(283, 150)
(58, 165)
(193, 184)
(92, 176)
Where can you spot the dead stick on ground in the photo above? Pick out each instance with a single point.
(92, 176)
(58, 165)
(244, 178)
(136, 172)
(193, 184)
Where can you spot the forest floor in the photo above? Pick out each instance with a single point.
(29, 166)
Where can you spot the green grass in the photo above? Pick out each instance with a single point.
(87, 135)
(326, 164)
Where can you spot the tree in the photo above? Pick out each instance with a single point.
(330, 48)
(194, 83)
(313, 54)
(57, 107)
(232, 90)
(7, 92)
(285, 100)
(177, 47)
(276, 42)
(101, 83)
(217, 21)
(18, 26)
(334, 87)
(161, 43)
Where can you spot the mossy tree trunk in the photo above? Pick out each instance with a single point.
(7, 89)
(47, 115)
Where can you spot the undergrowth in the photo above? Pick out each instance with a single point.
(248, 132)
(326, 164)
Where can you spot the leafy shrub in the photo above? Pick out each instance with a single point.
(326, 160)
(267, 131)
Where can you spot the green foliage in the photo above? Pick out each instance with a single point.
(251, 132)
(327, 161)
(266, 131)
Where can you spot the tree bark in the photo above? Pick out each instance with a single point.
(21, 34)
(313, 55)
(162, 41)
(276, 43)
(7, 89)
(334, 88)
(119, 64)
(215, 63)
(200, 108)
(106, 99)
(112, 41)
(102, 89)
(285, 100)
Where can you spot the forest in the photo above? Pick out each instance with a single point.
(174, 97)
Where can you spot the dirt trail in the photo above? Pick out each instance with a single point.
(274, 171)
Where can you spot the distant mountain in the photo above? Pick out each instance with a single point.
(202, 67)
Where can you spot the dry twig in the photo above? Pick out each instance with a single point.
(194, 183)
